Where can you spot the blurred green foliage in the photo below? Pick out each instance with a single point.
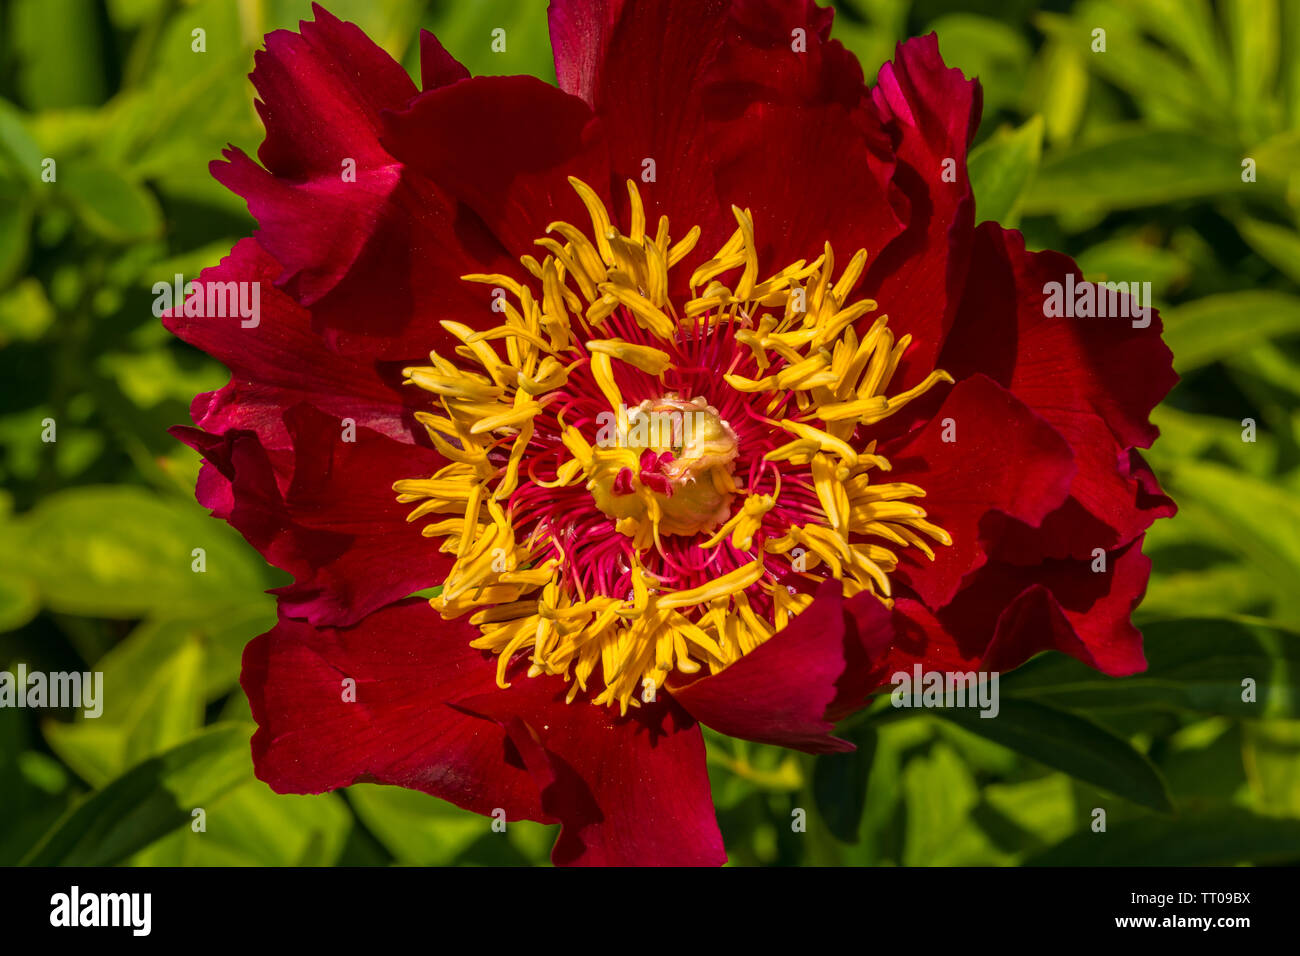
(1129, 159)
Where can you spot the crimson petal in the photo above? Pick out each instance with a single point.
(630, 790)
(1094, 379)
(933, 112)
(281, 362)
(321, 91)
(325, 512)
(1002, 458)
(517, 139)
(408, 667)
(790, 689)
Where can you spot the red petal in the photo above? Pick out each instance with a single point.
(504, 146)
(809, 140)
(359, 249)
(1004, 458)
(1095, 380)
(325, 511)
(630, 791)
(409, 667)
(1062, 605)
(789, 690)
(933, 113)
(322, 92)
(601, 54)
(1006, 614)
(321, 95)
(437, 66)
(788, 132)
(264, 382)
(919, 638)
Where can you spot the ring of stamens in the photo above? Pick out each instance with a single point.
(616, 561)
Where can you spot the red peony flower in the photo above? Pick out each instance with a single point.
(692, 382)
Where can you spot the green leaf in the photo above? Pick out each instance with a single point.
(1291, 64)
(1189, 27)
(1043, 810)
(1253, 34)
(1194, 664)
(1001, 169)
(1070, 743)
(884, 818)
(153, 700)
(1226, 589)
(1218, 326)
(1268, 365)
(15, 234)
(1271, 754)
(109, 204)
(1128, 257)
(940, 794)
(1185, 436)
(1166, 91)
(418, 829)
(839, 784)
(17, 146)
(25, 312)
(59, 52)
(148, 378)
(985, 49)
(1063, 86)
(19, 600)
(1280, 245)
(121, 552)
(421, 830)
(873, 41)
(1222, 837)
(148, 801)
(466, 30)
(254, 826)
(1136, 168)
(1262, 518)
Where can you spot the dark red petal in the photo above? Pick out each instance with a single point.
(409, 667)
(1095, 380)
(602, 50)
(790, 689)
(919, 638)
(581, 34)
(437, 66)
(1003, 458)
(1007, 614)
(406, 279)
(281, 362)
(1010, 613)
(1103, 366)
(1109, 504)
(325, 511)
(787, 132)
(357, 237)
(630, 791)
(762, 60)
(321, 91)
(933, 113)
(317, 228)
(504, 146)
(321, 94)
(789, 165)
(796, 134)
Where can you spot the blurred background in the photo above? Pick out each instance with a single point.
(1131, 160)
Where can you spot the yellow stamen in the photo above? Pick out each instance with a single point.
(820, 378)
